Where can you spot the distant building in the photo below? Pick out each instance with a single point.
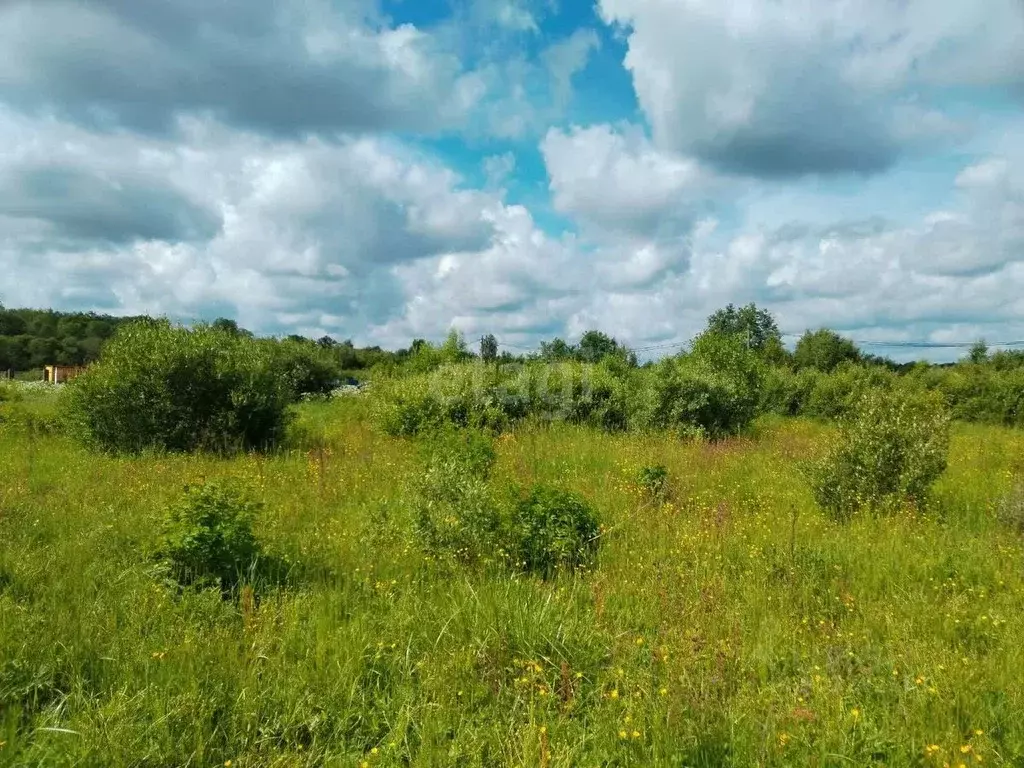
(58, 374)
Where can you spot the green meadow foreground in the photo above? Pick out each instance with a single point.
(729, 623)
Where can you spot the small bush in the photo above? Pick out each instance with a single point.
(208, 538)
(1011, 510)
(889, 453)
(162, 387)
(653, 480)
(471, 449)
(555, 530)
(457, 517)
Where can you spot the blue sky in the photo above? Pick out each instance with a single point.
(384, 170)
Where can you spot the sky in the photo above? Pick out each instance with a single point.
(383, 170)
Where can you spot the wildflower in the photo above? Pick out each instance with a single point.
(227, 764)
(663, 691)
(374, 751)
(783, 739)
(965, 748)
(639, 641)
(614, 694)
(979, 732)
(622, 734)
(855, 713)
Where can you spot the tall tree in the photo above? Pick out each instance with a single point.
(824, 349)
(556, 349)
(489, 348)
(979, 352)
(755, 326)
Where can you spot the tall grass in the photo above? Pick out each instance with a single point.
(726, 621)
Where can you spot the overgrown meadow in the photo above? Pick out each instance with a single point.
(720, 616)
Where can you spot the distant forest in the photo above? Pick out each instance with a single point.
(33, 338)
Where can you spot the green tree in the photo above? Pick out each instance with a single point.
(556, 349)
(825, 350)
(756, 327)
(596, 346)
(454, 348)
(11, 323)
(488, 348)
(979, 352)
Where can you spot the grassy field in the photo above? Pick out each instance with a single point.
(730, 624)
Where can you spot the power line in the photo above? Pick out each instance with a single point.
(893, 344)
(924, 344)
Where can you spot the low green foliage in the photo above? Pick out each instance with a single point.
(307, 369)
(162, 387)
(208, 538)
(733, 624)
(653, 480)
(890, 452)
(554, 531)
(711, 391)
(461, 518)
(456, 514)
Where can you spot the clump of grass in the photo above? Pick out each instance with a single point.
(1011, 509)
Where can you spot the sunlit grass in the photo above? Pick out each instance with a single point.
(729, 623)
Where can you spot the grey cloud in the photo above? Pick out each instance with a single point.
(288, 67)
(84, 206)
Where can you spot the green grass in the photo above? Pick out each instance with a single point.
(731, 624)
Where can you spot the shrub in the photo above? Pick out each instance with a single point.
(495, 398)
(837, 394)
(457, 517)
(178, 389)
(208, 538)
(653, 480)
(713, 391)
(890, 452)
(306, 368)
(472, 449)
(1011, 509)
(555, 530)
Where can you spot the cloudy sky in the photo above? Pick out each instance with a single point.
(386, 169)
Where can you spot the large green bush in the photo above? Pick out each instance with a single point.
(163, 387)
(889, 452)
(836, 395)
(459, 518)
(306, 368)
(496, 397)
(981, 392)
(714, 390)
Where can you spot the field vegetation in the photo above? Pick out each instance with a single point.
(737, 555)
